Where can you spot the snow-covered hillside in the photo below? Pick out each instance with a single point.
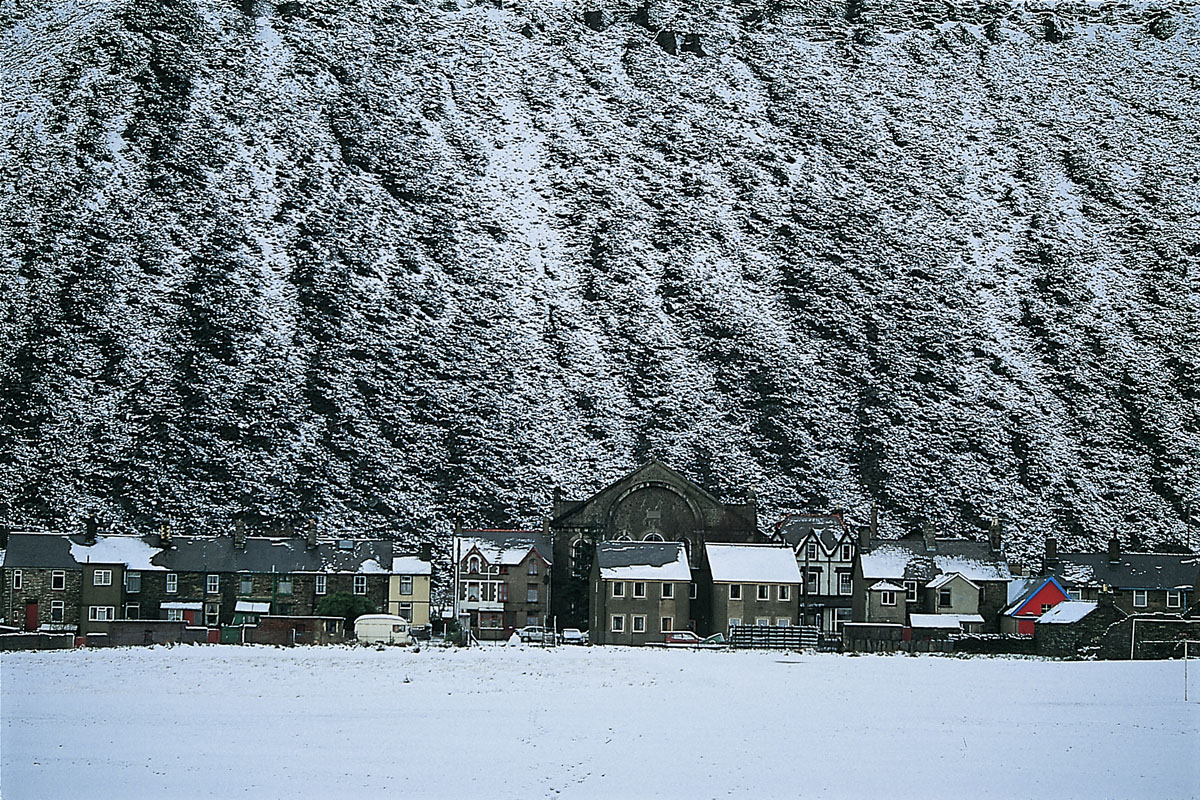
(219, 722)
(392, 262)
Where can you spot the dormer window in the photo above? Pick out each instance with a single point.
(474, 564)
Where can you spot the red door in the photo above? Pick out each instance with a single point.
(31, 616)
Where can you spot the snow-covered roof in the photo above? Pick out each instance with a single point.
(1129, 570)
(249, 607)
(507, 548)
(884, 586)
(946, 577)
(1019, 586)
(752, 563)
(943, 621)
(644, 561)
(1066, 612)
(410, 565)
(132, 551)
(178, 606)
(372, 567)
(1033, 586)
(897, 560)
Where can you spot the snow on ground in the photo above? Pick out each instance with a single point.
(222, 721)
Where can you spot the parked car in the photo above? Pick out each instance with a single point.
(573, 636)
(532, 633)
(693, 639)
(421, 632)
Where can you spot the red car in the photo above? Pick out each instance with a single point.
(692, 639)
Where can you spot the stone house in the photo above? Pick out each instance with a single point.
(1074, 625)
(640, 592)
(825, 551)
(40, 583)
(502, 580)
(1141, 583)
(914, 561)
(751, 584)
(654, 503)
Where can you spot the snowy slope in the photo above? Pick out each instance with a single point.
(389, 263)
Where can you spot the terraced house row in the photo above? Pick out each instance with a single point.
(85, 583)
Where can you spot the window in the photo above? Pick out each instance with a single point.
(693, 589)
(666, 624)
(1046, 607)
(1174, 600)
(57, 608)
(405, 610)
(172, 583)
(101, 613)
(847, 552)
(845, 583)
(247, 585)
(811, 552)
(58, 580)
(783, 622)
(910, 591)
(617, 623)
(485, 620)
(668, 591)
(502, 595)
(639, 623)
(174, 615)
(18, 579)
(532, 619)
(360, 584)
(533, 566)
(785, 593)
(133, 611)
(639, 588)
(814, 577)
(1139, 598)
(840, 617)
(102, 577)
(212, 584)
(133, 582)
(472, 592)
(735, 591)
(285, 585)
(474, 564)
(618, 588)
(734, 622)
(406, 584)
(531, 593)
(887, 598)
(1075, 594)
(763, 622)
(212, 614)
(322, 584)
(764, 592)
(944, 597)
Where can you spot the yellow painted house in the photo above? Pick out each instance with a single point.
(408, 589)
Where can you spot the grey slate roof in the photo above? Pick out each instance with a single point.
(637, 554)
(1130, 571)
(796, 527)
(896, 559)
(496, 543)
(211, 554)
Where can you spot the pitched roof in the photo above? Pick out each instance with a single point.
(795, 528)
(199, 553)
(411, 565)
(946, 577)
(503, 546)
(884, 586)
(1032, 587)
(906, 558)
(1130, 571)
(643, 561)
(1066, 612)
(752, 563)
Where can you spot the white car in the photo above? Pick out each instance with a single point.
(573, 636)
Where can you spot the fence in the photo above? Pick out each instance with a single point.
(766, 637)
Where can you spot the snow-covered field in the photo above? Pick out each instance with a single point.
(212, 721)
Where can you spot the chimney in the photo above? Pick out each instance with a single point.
(164, 536)
(1106, 597)
(239, 534)
(89, 534)
(930, 537)
(458, 526)
(1050, 563)
(1114, 549)
(310, 532)
(426, 551)
(995, 536)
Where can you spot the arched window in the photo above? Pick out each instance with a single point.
(474, 564)
(625, 537)
(653, 537)
(578, 550)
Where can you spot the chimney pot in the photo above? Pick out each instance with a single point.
(310, 532)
